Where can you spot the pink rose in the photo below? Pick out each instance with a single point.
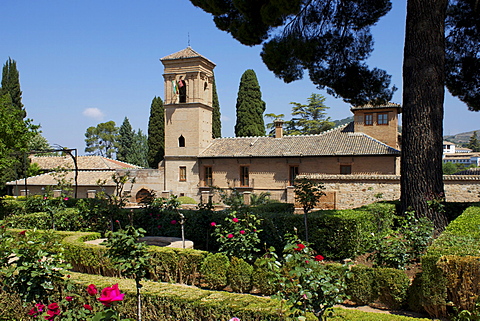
(213, 224)
(69, 298)
(173, 222)
(230, 236)
(92, 290)
(111, 294)
(242, 232)
(235, 219)
(65, 199)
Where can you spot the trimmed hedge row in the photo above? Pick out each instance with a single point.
(451, 267)
(162, 301)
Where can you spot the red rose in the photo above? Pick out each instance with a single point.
(242, 232)
(230, 236)
(92, 290)
(69, 298)
(299, 247)
(111, 294)
(22, 233)
(32, 311)
(88, 307)
(40, 307)
(319, 258)
(235, 219)
(173, 222)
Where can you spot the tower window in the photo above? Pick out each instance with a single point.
(382, 119)
(368, 119)
(182, 173)
(181, 141)
(208, 176)
(182, 91)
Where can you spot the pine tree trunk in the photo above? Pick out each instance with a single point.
(423, 96)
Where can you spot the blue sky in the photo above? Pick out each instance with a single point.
(86, 62)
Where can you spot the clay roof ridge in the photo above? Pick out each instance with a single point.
(377, 141)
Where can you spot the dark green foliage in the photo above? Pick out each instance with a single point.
(392, 287)
(250, 107)
(262, 277)
(361, 285)
(474, 143)
(216, 116)
(156, 133)
(125, 141)
(309, 119)
(214, 270)
(15, 136)
(102, 140)
(462, 51)
(239, 275)
(139, 151)
(11, 86)
(332, 46)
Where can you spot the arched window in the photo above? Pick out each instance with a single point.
(181, 141)
(143, 195)
(182, 91)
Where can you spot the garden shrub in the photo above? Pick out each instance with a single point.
(414, 294)
(214, 270)
(392, 286)
(361, 285)
(261, 278)
(239, 275)
(383, 215)
(67, 219)
(460, 238)
(186, 200)
(10, 206)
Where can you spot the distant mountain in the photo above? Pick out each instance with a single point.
(343, 121)
(462, 138)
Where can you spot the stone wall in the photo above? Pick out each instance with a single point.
(350, 191)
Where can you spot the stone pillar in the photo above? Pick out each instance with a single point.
(246, 197)
(291, 194)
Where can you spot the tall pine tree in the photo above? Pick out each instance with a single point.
(250, 107)
(11, 85)
(216, 120)
(125, 141)
(156, 133)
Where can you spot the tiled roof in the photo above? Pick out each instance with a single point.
(370, 106)
(83, 163)
(85, 178)
(469, 171)
(339, 141)
(184, 54)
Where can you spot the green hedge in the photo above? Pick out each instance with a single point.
(448, 264)
(176, 302)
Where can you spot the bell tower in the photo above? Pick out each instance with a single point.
(188, 79)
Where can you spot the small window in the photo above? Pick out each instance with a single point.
(208, 176)
(183, 174)
(181, 141)
(382, 119)
(182, 91)
(345, 169)
(244, 177)
(368, 119)
(293, 174)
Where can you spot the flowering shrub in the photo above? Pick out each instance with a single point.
(303, 280)
(238, 235)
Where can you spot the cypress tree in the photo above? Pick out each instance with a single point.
(125, 141)
(474, 143)
(250, 107)
(216, 121)
(139, 150)
(11, 85)
(156, 133)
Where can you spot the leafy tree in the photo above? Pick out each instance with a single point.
(449, 168)
(125, 141)
(216, 119)
(38, 143)
(139, 151)
(102, 139)
(11, 85)
(307, 193)
(156, 133)
(15, 136)
(474, 143)
(332, 40)
(250, 107)
(310, 119)
(271, 126)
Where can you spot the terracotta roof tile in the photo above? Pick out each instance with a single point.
(83, 163)
(370, 106)
(85, 178)
(339, 141)
(184, 54)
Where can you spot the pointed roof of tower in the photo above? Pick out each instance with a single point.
(185, 54)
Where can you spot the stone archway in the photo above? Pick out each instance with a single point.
(142, 194)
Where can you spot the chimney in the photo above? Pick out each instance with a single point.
(278, 128)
